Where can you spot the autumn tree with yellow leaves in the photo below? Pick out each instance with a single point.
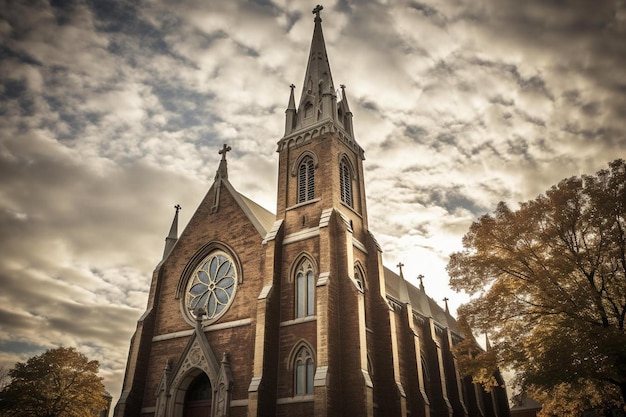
(548, 284)
(60, 382)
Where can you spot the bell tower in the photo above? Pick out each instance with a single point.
(331, 265)
(320, 163)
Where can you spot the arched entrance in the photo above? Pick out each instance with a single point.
(198, 397)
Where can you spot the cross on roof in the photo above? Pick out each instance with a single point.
(421, 278)
(400, 265)
(177, 207)
(445, 300)
(317, 10)
(223, 151)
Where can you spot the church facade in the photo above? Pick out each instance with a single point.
(252, 313)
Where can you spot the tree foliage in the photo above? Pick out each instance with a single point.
(60, 382)
(548, 282)
(569, 399)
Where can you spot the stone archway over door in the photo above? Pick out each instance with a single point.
(198, 398)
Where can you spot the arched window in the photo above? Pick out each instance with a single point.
(306, 180)
(305, 289)
(358, 277)
(304, 369)
(345, 182)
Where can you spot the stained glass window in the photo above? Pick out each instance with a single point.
(212, 285)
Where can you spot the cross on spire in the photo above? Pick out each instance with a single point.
(317, 10)
(177, 207)
(223, 151)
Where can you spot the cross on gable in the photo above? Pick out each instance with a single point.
(400, 265)
(317, 10)
(223, 151)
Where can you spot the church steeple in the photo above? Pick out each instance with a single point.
(318, 100)
(172, 237)
(317, 79)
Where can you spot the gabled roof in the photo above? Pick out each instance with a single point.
(420, 301)
(265, 217)
(261, 218)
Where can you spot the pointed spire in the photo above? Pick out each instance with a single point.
(403, 290)
(344, 99)
(172, 237)
(222, 170)
(292, 101)
(345, 115)
(290, 113)
(318, 100)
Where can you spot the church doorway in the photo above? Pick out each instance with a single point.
(198, 397)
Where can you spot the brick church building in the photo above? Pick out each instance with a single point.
(252, 313)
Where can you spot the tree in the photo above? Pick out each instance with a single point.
(60, 382)
(548, 283)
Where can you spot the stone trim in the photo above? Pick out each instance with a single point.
(298, 320)
(360, 246)
(210, 328)
(323, 279)
(304, 203)
(298, 399)
(301, 235)
(271, 235)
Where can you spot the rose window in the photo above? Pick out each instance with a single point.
(212, 286)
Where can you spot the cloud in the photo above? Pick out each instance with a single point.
(113, 111)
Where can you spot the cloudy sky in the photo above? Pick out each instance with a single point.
(112, 112)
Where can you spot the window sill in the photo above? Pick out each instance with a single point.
(298, 320)
(298, 399)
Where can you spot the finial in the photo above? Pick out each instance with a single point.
(225, 357)
(177, 207)
(342, 86)
(317, 10)
(400, 265)
(223, 151)
(421, 278)
(292, 86)
(445, 300)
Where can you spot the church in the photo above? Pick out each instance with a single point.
(252, 313)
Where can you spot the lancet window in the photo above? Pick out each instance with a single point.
(306, 180)
(345, 182)
(305, 289)
(304, 370)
